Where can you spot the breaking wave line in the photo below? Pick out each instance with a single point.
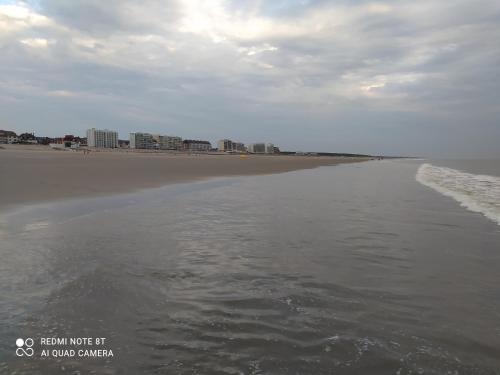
(477, 193)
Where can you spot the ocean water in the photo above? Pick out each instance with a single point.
(385, 267)
(476, 192)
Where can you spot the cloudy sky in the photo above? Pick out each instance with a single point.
(392, 77)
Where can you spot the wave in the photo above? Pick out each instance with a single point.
(477, 193)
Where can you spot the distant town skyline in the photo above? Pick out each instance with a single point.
(385, 77)
(90, 134)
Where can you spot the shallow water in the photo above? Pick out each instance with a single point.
(351, 269)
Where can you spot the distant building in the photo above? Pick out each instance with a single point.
(7, 136)
(257, 148)
(240, 147)
(68, 142)
(45, 140)
(102, 138)
(226, 145)
(66, 145)
(261, 148)
(72, 140)
(58, 140)
(141, 141)
(123, 143)
(27, 138)
(167, 142)
(196, 145)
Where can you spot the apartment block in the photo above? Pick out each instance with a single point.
(261, 148)
(226, 145)
(167, 142)
(141, 141)
(8, 136)
(196, 145)
(102, 138)
(269, 148)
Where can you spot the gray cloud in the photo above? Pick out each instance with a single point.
(360, 76)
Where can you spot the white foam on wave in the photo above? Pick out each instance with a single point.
(477, 193)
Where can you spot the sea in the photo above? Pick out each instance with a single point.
(381, 267)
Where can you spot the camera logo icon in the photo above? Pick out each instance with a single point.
(24, 347)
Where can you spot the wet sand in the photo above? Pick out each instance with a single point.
(31, 174)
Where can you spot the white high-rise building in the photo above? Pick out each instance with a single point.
(228, 145)
(141, 140)
(196, 145)
(167, 142)
(261, 148)
(225, 145)
(257, 148)
(102, 138)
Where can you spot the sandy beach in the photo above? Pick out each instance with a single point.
(33, 174)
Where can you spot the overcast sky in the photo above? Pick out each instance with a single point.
(394, 77)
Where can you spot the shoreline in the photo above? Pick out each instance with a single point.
(37, 174)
